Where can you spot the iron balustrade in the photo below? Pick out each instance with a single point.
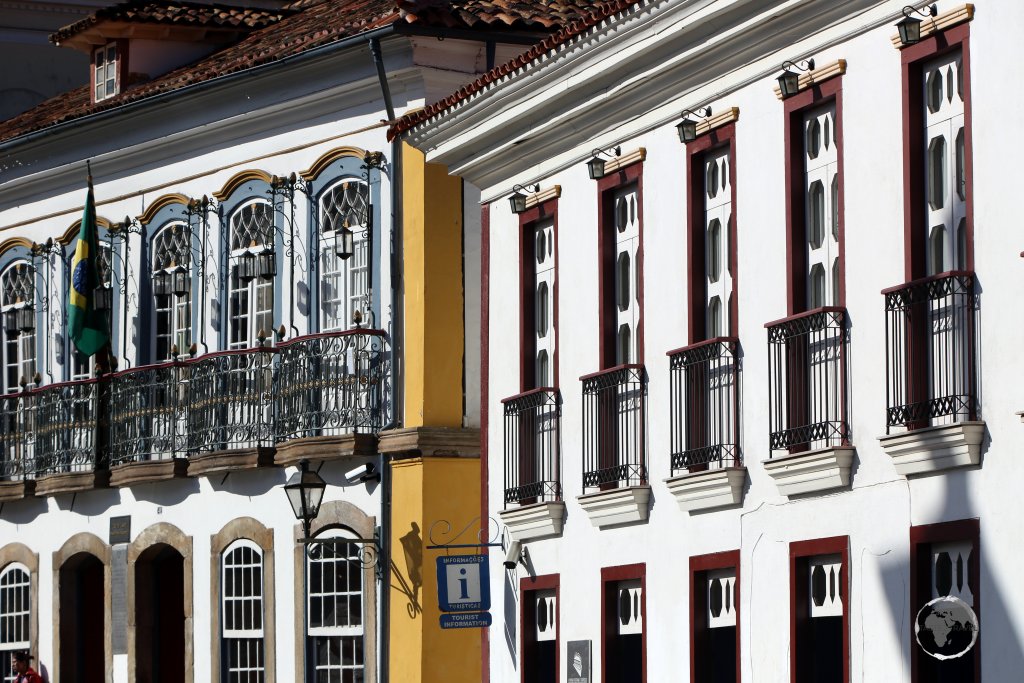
(533, 451)
(333, 383)
(704, 405)
(16, 461)
(64, 426)
(615, 427)
(230, 402)
(145, 412)
(931, 351)
(807, 380)
(311, 386)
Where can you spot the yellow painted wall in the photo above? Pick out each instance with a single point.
(434, 333)
(427, 490)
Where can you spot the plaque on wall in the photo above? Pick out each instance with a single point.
(577, 661)
(120, 530)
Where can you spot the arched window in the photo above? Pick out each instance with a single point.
(15, 611)
(17, 303)
(344, 280)
(252, 270)
(242, 659)
(335, 609)
(172, 290)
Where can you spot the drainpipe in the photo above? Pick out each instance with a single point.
(396, 326)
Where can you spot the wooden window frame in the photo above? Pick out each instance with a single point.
(912, 59)
(528, 220)
(799, 553)
(712, 141)
(796, 220)
(922, 537)
(699, 566)
(610, 577)
(528, 585)
(606, 186)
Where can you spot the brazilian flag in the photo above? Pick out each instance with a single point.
(87, 327)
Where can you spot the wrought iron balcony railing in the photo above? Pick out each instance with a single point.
(533, 450)
(931, 362)
(330, 384)
(321, 385)
(615, 427)
(807, 380)
(704, 405)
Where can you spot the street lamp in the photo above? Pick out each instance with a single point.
(595, 167)
(305, 491)
(789, 82)
(687, 128)
(910, 27)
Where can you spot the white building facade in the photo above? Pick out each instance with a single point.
(752, 399)
(251, 262)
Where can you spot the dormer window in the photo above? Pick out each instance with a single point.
(105, 73)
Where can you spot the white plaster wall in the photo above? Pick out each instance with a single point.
(877, 511)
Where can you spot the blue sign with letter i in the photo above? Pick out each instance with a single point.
(462, 583)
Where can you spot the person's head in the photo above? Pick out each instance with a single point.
(20, 660)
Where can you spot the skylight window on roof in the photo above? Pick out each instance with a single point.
(105, 80)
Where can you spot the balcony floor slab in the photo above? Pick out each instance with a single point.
(707, 490)
(617, 506)
(539, 520)
(132, 473)
(811, 472)
(325, 448)
(230, 460)
(934, 449)
(16, 490)
(71, 482)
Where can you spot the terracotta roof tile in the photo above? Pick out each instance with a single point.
(308, 24)
(178, 13)
(549, 45)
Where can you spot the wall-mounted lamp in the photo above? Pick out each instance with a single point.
(266, 265)
(246, 266)
(344, 242)
(179, 282)
(789, 82)
(518, 200)
(26, 319)
(11, 322)
(910, 27)
(687, 128)
(595, 167)
(102, 298)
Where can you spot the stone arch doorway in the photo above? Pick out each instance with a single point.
(83, 598)
(160, 606)
(159, 615)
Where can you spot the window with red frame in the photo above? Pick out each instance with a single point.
(537, 228)
(714, 618)
(620, 267)
(623, 603)
(539, 604)
(944, 561)
(819, 611)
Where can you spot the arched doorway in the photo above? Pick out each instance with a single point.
(83, 613)
(160, 615)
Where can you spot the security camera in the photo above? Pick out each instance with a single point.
(364, 473)
(514, 555)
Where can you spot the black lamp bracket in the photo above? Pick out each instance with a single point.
(807, 64)
(529, 189)
(611, 152)
(702, 113)
(930, 11)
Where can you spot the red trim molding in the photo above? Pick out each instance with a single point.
(921, 540)
(606, 260)
(609, 577)
(796, 234)
(914, 230)
(799, 552)
(696, 262)
(528, 584)
(699, 565)
(485, 331)
(527, 283)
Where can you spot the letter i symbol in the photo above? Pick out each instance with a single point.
(464, 585)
